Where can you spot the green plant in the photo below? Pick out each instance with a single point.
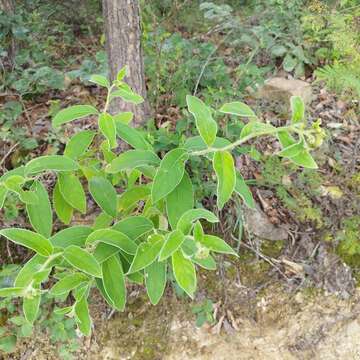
(147, 225)
(174, 64)
(336, 28)
(204, 313)
(277, 32)
(349, 237)
(14, 325)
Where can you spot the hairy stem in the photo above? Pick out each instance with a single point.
(230, 147)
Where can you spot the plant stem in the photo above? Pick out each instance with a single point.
(107, 103)
(43, 267)
(245, 139)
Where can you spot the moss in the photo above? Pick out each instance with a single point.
(349, 243)
(151, 323)
(354, 183)
(272, 248)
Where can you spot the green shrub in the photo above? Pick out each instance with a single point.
(147, 229)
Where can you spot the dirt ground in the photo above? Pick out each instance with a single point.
(301, 327)
(274, 325)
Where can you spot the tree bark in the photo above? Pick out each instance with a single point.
(123, 43)
(8, 7)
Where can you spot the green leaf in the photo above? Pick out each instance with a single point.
(12, 292)
(146, 254)
(187, 219)
(3, 193)
(29, 239)
(184, 272)
(72, 113)
(122, 73)
(127, 95)
(198, 232)
(136, 278)
(169, 174)
(205, 123)
(292, 150)
(28, 197)
(255, 128)
(180, 200)
(81, 291)
(124, 118)
(63, 210)
(114, 238)
(114, 282)
(42, 275)
(82, 316)
(196, 143)
(17, 171)
(218, 245)
(68, 283)
(238, 108)
(207, 263)
(75, 235)
(285, 139)
(100, 286)
(134, 226)
(278, 50)
(82, 260)
(79, 143)
(289, 62)
(27, 272)
(40, 214)
(189, 247)
(102, 221)
(63, 311)
(172, 242)
(303, 158)
(31, 308)
(131, 196)
(104, 194)
(132, 159)
(107, 127)
(106, 151)
(155, 280)
(8, 343)
(72, 191)
(243, 190)
(225, 171)
(132, 136)
(14, 183)
(100, 80)
(104, 251)
(50, 162)
(297, 109)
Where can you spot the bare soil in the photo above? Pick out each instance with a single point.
(272, 325)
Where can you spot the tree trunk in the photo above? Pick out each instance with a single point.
(123, 43)
(8, 7)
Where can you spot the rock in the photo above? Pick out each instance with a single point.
(281, 89)
(258, 224)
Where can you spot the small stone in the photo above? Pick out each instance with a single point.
(258, 224)
(299, 298)
(281, 89)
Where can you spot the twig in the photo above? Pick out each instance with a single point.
(9, 251)
(265, 258)
(209, 58)
(8, 154)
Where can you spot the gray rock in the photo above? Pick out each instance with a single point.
(281, 89)
(258, 224)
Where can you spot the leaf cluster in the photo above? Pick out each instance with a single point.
(149, 227)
